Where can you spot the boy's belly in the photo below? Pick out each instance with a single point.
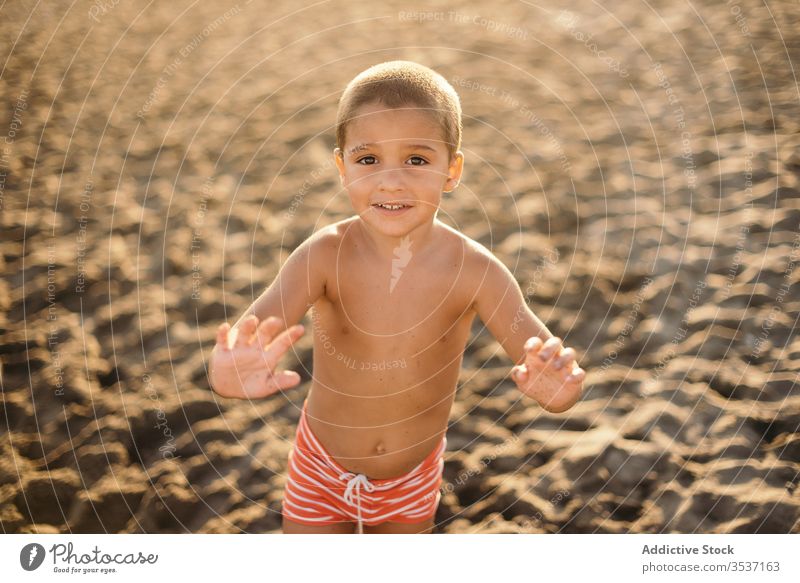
(383, 437)
(382, 422)
(379, 404)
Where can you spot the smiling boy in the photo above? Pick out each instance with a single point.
(392, 284)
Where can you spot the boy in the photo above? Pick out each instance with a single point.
(394, 292)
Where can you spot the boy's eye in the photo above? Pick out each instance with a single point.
(413, 160)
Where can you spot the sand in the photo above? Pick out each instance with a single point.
(634, 164)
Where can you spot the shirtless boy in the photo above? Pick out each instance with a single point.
(394, 292)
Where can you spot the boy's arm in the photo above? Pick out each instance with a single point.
(300, 282)
(499, 303)
(243, 361)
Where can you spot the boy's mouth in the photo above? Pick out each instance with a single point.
(394, 207)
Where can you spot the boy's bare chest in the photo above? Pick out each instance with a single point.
(399, 296)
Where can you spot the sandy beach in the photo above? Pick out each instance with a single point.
(635, 165)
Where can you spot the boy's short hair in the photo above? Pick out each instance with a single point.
(398, 84)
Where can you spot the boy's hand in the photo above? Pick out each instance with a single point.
(243, 362)
(549, 374)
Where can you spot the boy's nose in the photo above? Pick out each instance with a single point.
(391, 179)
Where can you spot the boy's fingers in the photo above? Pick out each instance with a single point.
(550, 348)
(286, 379)
(222, 335)
(282, 342)
(519, 373)
(267, 329)
(231, 341)
(534, 343)
(567, 355)
(246, 329)
(577, 376)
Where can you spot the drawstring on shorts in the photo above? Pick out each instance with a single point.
(352, 493)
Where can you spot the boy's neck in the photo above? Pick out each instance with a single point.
(387, 247)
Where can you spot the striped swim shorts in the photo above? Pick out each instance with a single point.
(319, 491)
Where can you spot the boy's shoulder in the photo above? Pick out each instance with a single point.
(319, 249)
(475, 254)
(328, 238)
(481, 273)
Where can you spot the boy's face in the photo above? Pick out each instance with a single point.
(396, 156)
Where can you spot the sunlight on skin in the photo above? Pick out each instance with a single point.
(549, 374)
(244, 361)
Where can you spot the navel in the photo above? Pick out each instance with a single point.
(380, 448)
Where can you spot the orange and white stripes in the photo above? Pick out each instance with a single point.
(320, 491)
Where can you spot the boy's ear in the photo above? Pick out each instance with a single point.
(454, 171)
(338, 157)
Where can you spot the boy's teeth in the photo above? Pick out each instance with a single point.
(392, 207)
